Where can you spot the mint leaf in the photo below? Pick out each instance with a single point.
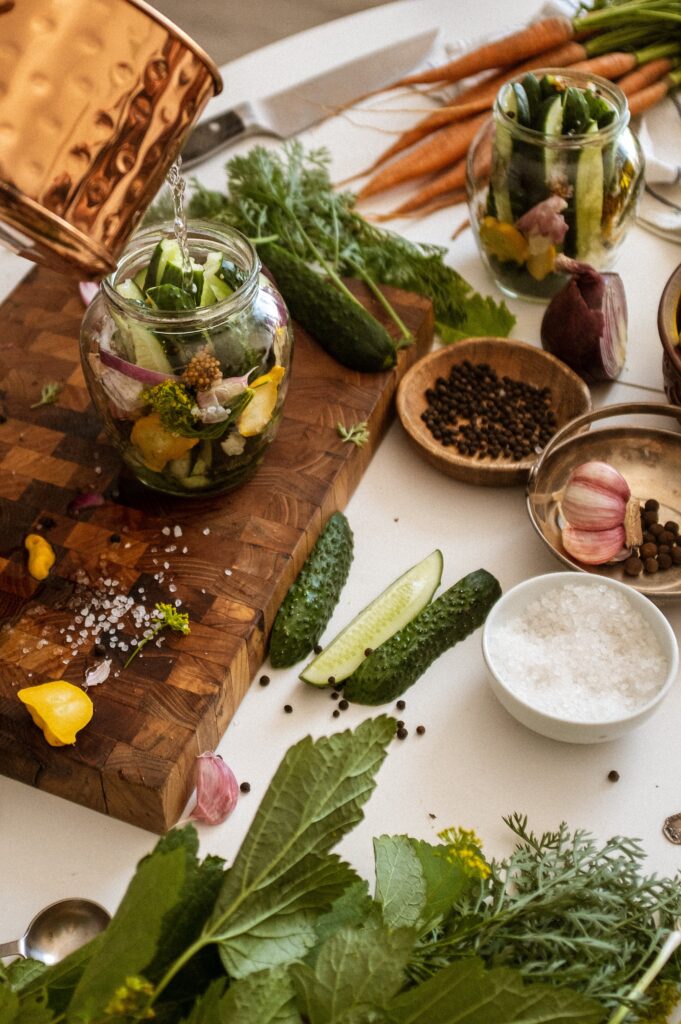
(131, 940)
(357, 970)
(263, 998)
(415, 882)
(465, 993)
(350, 910)
(400, 885)
(483, 317)
(281, 879)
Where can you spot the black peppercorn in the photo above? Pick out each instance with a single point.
(401, 705)
(336, 712)
(115, 538)
(245, 787)
(288, 709)
(264, 680)
(317, 648)
(402, 733)
(334, 695)
(368, 651)
(614, 776)
(420, 729)
(343, 704)
(331, 680)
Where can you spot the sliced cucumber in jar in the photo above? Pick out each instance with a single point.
(130, 290)
(588, 199)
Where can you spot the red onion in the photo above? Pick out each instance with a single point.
(585, 324)
(133, 371)
(86, 499)
(88, 290)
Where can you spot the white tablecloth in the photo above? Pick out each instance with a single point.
(474, 763)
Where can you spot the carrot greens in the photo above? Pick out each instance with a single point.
(288, 193)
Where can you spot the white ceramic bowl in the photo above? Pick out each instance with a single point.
(569, 730)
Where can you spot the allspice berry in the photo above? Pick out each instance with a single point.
(651, 565)
(633, 566)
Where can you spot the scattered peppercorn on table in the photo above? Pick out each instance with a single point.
(461, 760)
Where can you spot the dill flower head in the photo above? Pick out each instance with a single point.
(172, 402)
(464, 846)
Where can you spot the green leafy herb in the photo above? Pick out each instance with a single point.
(288, 194)
(163, 615)
(357, 434)
(175, 406)
(49, 394)
(564, 930)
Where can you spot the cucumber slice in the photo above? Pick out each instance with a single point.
(386, 614)
(522, 105)
(167, 250)
(588, 199)
(503, 154)
(576, 115)
(168, 296)
(130, 291)
(148, 350)
(140, 278)
(551, 123)
(534, 97)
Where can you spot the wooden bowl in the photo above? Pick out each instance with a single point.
(668, 323)
(570, 397)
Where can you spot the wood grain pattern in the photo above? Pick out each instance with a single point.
(135, 760)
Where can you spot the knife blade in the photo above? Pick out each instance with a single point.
(291, 111)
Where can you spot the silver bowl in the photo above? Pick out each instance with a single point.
(648, 457)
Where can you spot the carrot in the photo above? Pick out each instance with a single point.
(441, 149)
(608, 65)
(450, 199)
(645, 75)
(646, 98)
(475, 100)
(454, 178)
(535, 38)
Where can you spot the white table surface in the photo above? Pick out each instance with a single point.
(475, 763)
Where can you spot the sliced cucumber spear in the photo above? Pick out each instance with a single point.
(388, 613)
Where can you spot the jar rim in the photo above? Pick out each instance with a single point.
(580, 79)
(218, 238)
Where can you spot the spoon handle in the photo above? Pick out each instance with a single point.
(11, 948)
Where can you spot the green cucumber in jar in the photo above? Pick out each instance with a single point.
(394, 666)
(310, 601)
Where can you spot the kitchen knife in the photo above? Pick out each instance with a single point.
(291, 111)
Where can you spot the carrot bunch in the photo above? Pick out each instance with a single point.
(636, 43)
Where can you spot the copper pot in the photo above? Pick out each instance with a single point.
(96, 100)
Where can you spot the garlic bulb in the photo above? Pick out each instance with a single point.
(603, 519)
(217, 791)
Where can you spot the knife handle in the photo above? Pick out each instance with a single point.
(212, 135)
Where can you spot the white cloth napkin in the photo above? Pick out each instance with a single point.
(659, 133)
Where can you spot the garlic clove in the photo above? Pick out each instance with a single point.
(217, 791)
(593, 547)
(588, 507)
(602, 475)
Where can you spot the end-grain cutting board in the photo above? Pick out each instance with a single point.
(135, 760)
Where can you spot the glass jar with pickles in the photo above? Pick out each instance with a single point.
(187, 359)
(556, 169)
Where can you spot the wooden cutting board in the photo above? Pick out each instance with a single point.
(135, 760)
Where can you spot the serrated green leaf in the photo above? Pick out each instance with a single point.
(445, 881)
(465, 993)
(9, 1004)
(131, 940)
(356, 971)
(206, 1009)
(400, 885)
(350, 910)
(263, 998)
(21, 973)
(483, 317)
(60, 979)
(281, 927)
(266, 909)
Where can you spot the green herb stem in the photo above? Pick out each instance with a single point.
(407, 336)
(177, 966)
(671, 943)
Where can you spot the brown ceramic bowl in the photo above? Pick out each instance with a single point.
(570, 397)
(668, 323)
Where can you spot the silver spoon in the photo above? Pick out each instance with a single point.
(59, 929)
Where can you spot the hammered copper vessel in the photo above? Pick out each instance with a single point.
(96, 100)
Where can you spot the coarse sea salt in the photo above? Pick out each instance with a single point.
(582, 652)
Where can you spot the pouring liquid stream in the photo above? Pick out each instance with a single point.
(177, 184)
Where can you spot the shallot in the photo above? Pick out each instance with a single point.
(585, 324)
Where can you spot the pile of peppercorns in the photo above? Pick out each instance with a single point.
(661, 547)
(487, 416)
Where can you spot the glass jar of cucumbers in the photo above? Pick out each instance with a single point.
(556, 169)
(187, 359)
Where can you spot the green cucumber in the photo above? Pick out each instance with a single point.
(169, 296)
(588, 199)
(129, 290)
(576, 115)
(167, 250)
(342, 326)
(309, 604)
(398, 663)
(534, 97)
(388, 613)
